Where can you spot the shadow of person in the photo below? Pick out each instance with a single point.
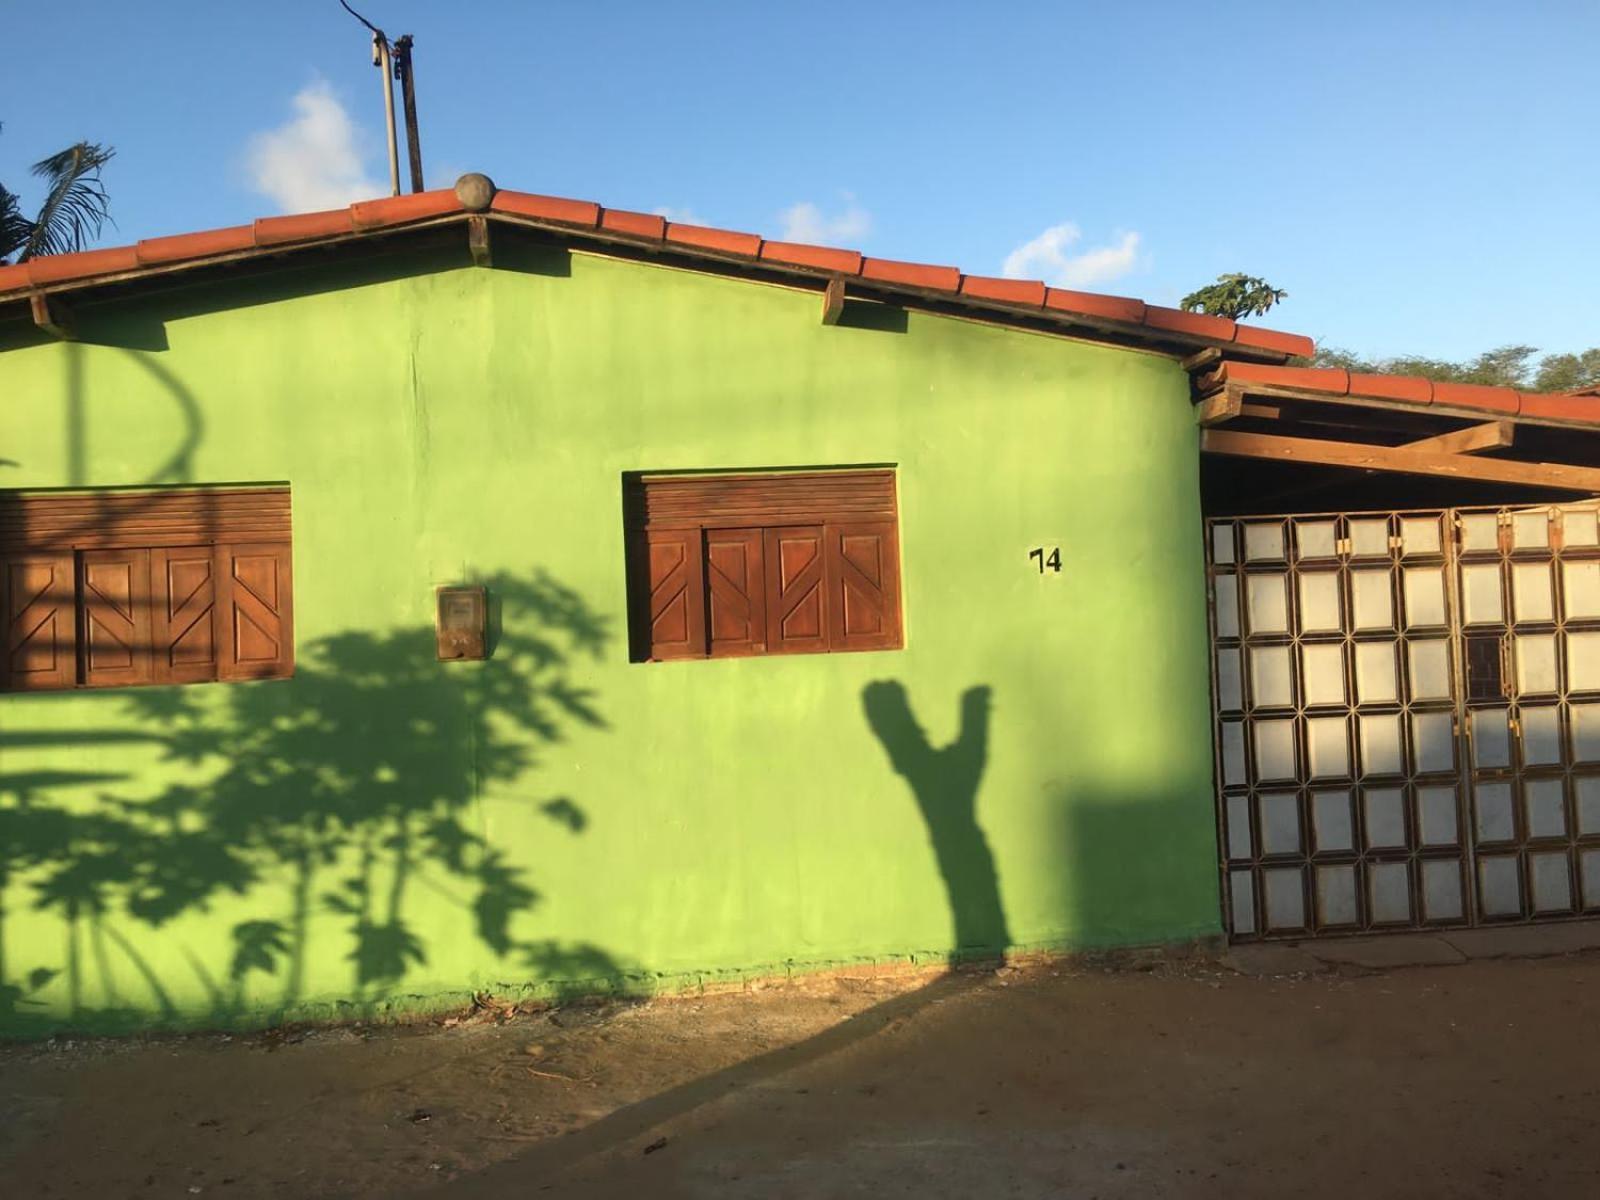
(945, 783)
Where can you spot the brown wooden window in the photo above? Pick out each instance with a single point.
(779, 563)
(117, 588)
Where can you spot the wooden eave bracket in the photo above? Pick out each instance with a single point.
(478, 240)
(52, 316)
(833, 301)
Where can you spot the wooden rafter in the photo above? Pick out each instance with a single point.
(833, 302)
(1491, 435)
(478, 240)
(1404, 460)
(51, 315)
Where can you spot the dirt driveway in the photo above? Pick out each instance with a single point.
(1187, 1079)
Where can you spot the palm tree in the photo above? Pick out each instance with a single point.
(75, 206)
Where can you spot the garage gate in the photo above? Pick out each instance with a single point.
(1407, 717)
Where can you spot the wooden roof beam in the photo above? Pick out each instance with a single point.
(1402, 460)
(1491, 435)
(52, 316)
(833, 301)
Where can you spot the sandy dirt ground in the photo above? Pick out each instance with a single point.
(1184, 1079)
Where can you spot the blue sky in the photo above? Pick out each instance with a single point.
(1422, 177)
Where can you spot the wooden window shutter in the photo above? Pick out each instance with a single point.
(673, 607)
(183, 610)
(255, 610)
(797, 610)
(736, 591)
(37, 598)
(864, 585)
(115, 595)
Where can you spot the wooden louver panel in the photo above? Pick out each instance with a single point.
(256, 611)
(115, 592)
(117, 520)
(732, 501)
(37, 603)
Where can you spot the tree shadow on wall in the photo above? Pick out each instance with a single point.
(945, 783)
(346, 796)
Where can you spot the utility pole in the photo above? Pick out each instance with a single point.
(381, 60)
(408, 94)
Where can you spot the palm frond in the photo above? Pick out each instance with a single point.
(76, 206)
(15, 229)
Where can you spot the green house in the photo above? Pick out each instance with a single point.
(475, 591)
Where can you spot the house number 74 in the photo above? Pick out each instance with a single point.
(1052, 561)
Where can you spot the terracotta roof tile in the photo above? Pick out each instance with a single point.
(197, 245)
(1332, 381)
(13, 277)
(1296, 344)
(724, 240)
(275, 231)
(1009, 291)
(52, 268)
(1112, 308)
(547, 208)
(1198, 324)
(1410, 389)
(922, 275)
(396, 210)
(1472, 395)
(846, 262)
(1574, 407)
(646, 225)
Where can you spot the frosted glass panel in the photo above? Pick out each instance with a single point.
(1275, 758)
(1441, 890)
(1315, 539)
(1380, 744)
(1433, 743)
(1499, 892)
(1585, 720)
(1372, 599)
(1536, 663)
(1330, 816)
(1243, 902)
(1589, 866)
(1436, 816)
(1480, 531)
(1328, 747)
(1268, 603)
(1530, 530)
(1586, 802)
(1530, 593)
(1491, 738)
(1424, 588)
(1579, 527)
(1419, 535)
(1279, 822)
(1285, 899)
(1227, 593)
(1239, 827)
(1494, 819)
(1263, 543)
(1541, 736)
(1583, 662)
(1550, 883)
(1369, 537)
(1388, 893)
(1385, 818)
(1580, 590)
(1336, 896)
(1375, 673)
(1319, 602)
(1430, 670)
(1230, 689)
(1271, 683)
(1233, 754)
(1322, 678)
(1544, 808)
(1222, 543)
(1480, 593)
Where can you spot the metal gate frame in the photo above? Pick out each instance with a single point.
(1519, 838)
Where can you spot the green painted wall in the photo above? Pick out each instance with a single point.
(388, 832)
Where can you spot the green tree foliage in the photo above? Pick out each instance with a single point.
(74, 209)
(1513, 366)
(1237, 296)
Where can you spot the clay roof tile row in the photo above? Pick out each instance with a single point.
(393, 211)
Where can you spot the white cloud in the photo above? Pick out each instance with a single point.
(1049, 257)
(806, 222)
(679, 216)
(316, 159)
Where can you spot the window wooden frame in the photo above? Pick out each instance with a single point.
(118, 589)
(784, 562)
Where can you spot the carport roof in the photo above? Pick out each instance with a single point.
(476, 201)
